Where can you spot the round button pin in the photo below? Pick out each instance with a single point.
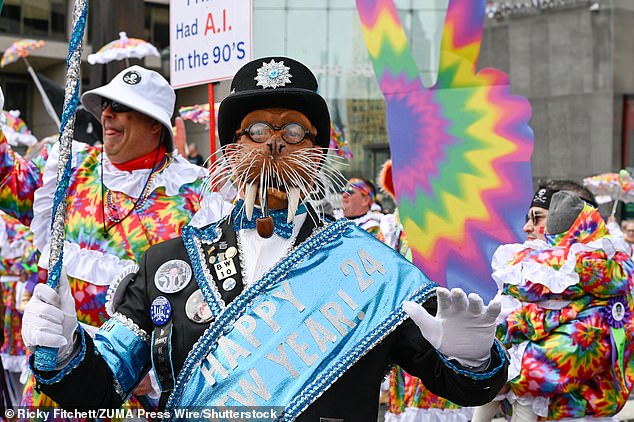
(172, 276)
(231, 252)
(618, 311)
(229, 284)
(160, 311)
(197, 309)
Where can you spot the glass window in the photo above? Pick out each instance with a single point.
(269, 33)
(269, 4)
(307, 4)
(36, 15)
(36, 18)
(158, 25)
(342, 4)
(327, 36)
(17, 93)
(58, 19)
(308, 33)
(10, 17)
(429, 4)
(424, 37)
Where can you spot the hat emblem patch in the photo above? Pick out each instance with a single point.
(541, 196)
(273, 75)
(132, 77)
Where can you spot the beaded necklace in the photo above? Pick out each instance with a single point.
(111, 212)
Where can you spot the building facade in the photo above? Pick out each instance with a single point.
(574, 61)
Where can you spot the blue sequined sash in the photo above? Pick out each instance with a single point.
(293, 333)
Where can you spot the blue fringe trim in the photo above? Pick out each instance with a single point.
(74, 363)
(501, 351)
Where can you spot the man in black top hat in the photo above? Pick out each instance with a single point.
(273, 306)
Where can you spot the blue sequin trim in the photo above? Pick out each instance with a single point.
(318, 240)
(74, 363)
(479, 375)
(318, 386)
(192, 237)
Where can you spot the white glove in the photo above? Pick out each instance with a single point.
(50, 320)
(463, 328)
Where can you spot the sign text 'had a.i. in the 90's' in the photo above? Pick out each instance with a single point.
(209, 40)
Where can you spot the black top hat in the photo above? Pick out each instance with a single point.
(273, 82)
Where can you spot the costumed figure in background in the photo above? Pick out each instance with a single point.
(409, 400)
(625, 230)
(18, 274)
(568, 315)
(272, 306)
(135, 192)
(390, 224)
(358, 198)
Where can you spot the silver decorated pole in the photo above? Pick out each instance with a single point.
(46, 357)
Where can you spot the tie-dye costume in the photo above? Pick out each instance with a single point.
(569, 327)
(168, 198)
(18, 264)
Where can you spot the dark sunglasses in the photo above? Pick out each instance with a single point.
(292, 133)
(534, 217)
(115, 106)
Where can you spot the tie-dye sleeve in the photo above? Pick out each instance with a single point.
(19, 179)
(605, 277)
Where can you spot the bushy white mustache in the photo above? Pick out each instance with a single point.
(298, 175)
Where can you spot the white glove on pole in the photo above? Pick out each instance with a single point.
(463, 328)
(50, 319)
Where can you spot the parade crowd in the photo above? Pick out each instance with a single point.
(174, 295)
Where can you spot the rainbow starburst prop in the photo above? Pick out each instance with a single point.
(460, 149)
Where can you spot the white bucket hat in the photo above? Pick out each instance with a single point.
(141, 89)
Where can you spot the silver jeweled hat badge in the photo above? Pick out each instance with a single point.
(273, 75)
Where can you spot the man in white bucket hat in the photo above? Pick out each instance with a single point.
(146, 100)
(118, 198)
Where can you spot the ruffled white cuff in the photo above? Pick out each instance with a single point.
(88, 265)
(14, 363)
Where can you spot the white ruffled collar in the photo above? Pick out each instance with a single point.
(177, 174)
(557, 280)
(132, 182)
